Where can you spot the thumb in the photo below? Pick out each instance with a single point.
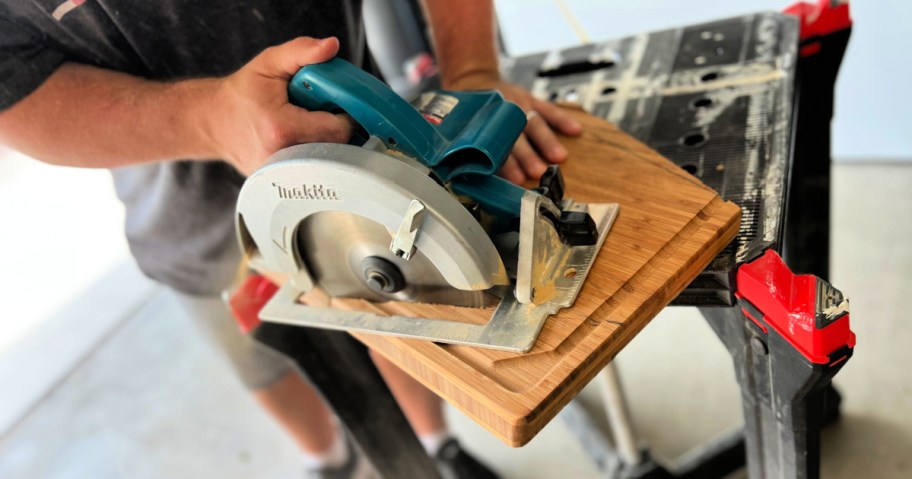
(283, 61)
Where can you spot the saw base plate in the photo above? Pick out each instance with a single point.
(513, 326)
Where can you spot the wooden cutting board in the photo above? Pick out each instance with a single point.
(669, 228)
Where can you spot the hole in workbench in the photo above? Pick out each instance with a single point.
(711, 76)
(690, 168)
(608, 90)
(573, 68)
(702, 102)
(694, 139)
(391, 141)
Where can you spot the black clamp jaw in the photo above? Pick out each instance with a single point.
(576, 228)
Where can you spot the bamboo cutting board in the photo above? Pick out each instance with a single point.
(669, 228)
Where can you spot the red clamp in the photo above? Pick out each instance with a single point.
(818, 20)
(808, 312)
(247, 301)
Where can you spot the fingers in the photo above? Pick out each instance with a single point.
(512, 172)
(283, 61)
(558, 118)
(316, 126)
(540, 144)
(542, 136)
(532, 165)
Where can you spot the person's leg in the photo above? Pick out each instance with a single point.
(424, 410)
(271, 377)
(421, 406)
(298, 408)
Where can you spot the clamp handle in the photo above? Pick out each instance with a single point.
(469, 133)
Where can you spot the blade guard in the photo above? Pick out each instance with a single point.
(307, 179)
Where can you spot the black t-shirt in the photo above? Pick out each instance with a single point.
(180, 215)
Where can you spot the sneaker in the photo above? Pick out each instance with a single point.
(355, 467)
(455, 463)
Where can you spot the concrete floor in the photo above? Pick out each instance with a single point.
(151, 400)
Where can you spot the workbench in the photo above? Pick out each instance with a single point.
(720, 100)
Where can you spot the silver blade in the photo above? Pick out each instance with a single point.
(333, 244)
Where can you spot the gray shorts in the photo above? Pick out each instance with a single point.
(257, 365)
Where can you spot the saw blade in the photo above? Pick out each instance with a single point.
(335, 244)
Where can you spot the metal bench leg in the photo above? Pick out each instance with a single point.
(788, 337)
(622, 431)
(621, 457)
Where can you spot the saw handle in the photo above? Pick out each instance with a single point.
(474, 137)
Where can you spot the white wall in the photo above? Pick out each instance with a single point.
(873, 98)
(62, 229)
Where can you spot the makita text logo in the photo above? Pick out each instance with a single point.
(306, 192)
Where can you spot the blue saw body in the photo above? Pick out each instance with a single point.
(463, 137)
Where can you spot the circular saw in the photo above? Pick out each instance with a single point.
(412, 210)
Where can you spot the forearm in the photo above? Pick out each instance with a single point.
(89, 117)
(464, 38)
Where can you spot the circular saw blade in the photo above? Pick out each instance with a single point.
(334, 243)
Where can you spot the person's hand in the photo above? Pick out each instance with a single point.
(538, 145)
(251, 118)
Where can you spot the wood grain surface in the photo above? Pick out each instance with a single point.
(669, 228)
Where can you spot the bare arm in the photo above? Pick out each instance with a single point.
(90, 117)
(464, 39)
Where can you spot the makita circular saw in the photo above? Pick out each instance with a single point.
(412, 210)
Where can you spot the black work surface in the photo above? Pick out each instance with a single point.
(717, 99)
